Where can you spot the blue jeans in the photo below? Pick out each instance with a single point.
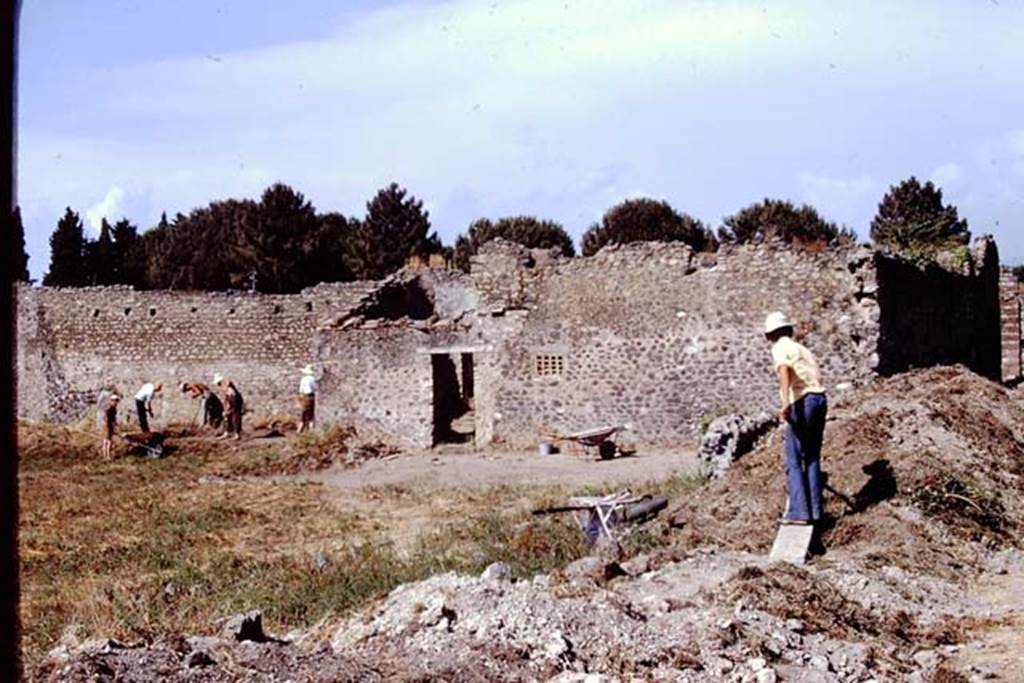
(806, 421)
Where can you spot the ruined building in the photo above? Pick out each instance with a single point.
(649, 335)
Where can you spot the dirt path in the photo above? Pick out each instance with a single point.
(448, 469)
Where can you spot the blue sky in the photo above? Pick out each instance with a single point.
(554, 108)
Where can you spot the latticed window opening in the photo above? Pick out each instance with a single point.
(549, 364)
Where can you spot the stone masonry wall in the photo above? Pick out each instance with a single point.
(652, 336)
(656, 337)
(1010, 317)
(74, 342)
(378, 380)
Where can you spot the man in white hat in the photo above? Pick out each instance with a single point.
(804, 408)
(234, 406)
(307, 399)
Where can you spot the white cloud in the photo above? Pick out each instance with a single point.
(823, 190)
(849, 201)
(107, 207)
(947, 174)
(1015, 141)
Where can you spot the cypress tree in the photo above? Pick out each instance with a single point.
(67, 253)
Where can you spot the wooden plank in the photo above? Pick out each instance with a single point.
(792, 543)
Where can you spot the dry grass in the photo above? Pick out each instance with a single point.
(137, 548)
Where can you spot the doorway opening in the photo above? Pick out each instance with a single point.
(454, 405)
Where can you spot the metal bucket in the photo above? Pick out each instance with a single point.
(545, 448)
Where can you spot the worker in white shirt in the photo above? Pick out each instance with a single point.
(144, 403)
(307, 399)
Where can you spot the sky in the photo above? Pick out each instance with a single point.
(553, 108)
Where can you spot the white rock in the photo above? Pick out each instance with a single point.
(819, 662)
(497, 571)
(757, 663)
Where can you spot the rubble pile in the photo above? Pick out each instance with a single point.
(728, 437)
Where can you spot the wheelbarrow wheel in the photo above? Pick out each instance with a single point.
(606, 450)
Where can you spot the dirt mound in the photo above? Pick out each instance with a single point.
(924, 471)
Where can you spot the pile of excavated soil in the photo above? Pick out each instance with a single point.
(926, 471)
(702, 616)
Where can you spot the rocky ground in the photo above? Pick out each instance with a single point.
(917, 576)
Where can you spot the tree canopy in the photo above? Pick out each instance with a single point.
(395, 228)
(636, 220)
(529, 231)
(781, 219)
(278, 244)
(912, 215)
(67, 253)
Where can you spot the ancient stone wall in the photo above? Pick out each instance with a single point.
(1010, 298)
(74, 342)
(656, 337)
(651, 336)
(377, 379)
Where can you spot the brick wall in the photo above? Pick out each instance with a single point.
(1010, 317)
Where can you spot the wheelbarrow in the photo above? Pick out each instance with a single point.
(598, 515)
(598, 438)
(149, 443)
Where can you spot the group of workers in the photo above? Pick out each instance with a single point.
(219, 404)
(804, 409)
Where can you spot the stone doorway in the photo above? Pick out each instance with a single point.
(453, 395)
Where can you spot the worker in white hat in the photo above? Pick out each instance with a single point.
(307, 398)
(804, 408)
(234, 406)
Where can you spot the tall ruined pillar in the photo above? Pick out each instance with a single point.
(1010, 321)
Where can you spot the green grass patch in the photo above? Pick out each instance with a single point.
(140, 548)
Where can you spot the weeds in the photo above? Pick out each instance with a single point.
(133, 549)
(954, 501)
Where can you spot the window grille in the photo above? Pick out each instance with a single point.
(549, 364)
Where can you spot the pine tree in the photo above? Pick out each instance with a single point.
(394, 229)
(276, 240)
(99, 258)
(529, 231)
(779, 218)
(67, 253)
(129, 263)
(912, 215)
(646, 220)
(329, 259)
(19, 264)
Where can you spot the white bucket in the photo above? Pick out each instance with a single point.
(545, 448)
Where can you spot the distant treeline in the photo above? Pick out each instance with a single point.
(281, 244)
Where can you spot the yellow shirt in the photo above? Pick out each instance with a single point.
(806, 379)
